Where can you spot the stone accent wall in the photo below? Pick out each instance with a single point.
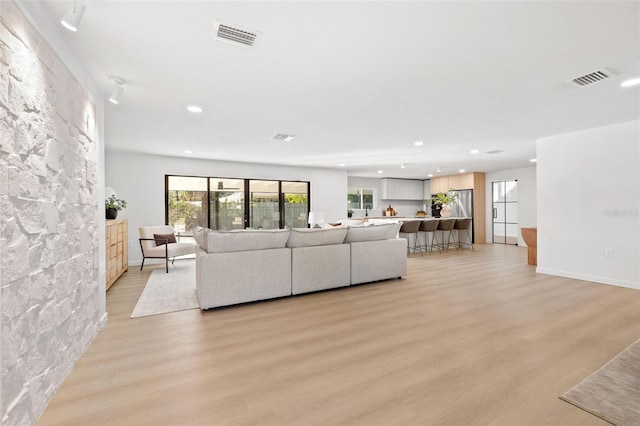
(49, 212)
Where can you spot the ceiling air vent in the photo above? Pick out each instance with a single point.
(235, 34)
(594, 77)
(283, 137)
(494, 151)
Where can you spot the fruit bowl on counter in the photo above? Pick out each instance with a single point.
(421, 213)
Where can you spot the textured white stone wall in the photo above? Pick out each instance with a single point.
(49, 212)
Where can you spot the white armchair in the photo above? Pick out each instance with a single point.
(159, 242)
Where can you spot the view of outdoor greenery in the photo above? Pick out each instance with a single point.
(219, 203)
(359, 198)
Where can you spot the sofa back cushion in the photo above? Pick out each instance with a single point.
(372, 233)
(200, 235)
(245, 240)
(303, 237)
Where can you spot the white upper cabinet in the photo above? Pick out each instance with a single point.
(402, 189)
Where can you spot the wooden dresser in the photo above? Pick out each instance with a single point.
(117, 256)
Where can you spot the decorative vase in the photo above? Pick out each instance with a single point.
(446, 210)
(435, 210)
(111, 213)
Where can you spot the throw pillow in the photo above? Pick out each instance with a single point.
(160, 238)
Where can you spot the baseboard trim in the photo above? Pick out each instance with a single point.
(103, 320)
(591, 278)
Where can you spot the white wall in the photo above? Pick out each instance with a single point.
(527, 194)
(589, 197)
(139, 179)
(52, 290)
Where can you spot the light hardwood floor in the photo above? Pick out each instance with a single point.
(472, 338)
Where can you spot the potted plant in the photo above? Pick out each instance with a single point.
(441, 199)
(112, 205)
(349, 213)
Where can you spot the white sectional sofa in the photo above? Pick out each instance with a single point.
(244, 266)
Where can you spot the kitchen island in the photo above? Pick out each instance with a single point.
(411, 243)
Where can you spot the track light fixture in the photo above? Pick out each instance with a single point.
(72, 17)
(118, 82)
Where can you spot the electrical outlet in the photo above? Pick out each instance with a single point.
(608, 252)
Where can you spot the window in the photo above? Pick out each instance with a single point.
(226, 204)
(186, 202)
(360, 198)
(265, 204)
(296, 204)
(235, 203)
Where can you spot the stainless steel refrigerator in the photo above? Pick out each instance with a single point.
(463, 206)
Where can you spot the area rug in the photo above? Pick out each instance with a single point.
(613, 392)
(169, 292)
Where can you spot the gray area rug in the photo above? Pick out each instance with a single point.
(613, 392)
(172, 292)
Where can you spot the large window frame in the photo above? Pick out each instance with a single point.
(282, 218)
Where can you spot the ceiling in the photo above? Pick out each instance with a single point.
(359, 82)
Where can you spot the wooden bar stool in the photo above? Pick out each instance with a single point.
(460, 227)
(409, 228)
(429, 227)
(446, 227)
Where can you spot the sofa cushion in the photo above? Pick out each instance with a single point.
(351, 222)
(245, 240)
(303, 237)
(200, 235)
(372, 233)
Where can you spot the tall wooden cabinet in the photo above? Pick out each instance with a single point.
(117, 256)
(475, 181)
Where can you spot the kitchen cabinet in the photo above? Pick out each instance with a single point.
(426, 190)
(116, 250)
(439, 184)
(402, 189)
(458, 181)
(474, 181)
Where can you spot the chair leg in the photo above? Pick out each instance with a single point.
(434, 238)
(451, 241)
(142, 263)
(166, 263)
(416, 245)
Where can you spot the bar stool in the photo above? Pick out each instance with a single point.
(461, 226)
(446, 226)
(409, 228)
(429, 227)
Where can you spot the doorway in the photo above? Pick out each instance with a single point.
(505, 212)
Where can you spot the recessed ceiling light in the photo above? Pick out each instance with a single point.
(342, 164)
(187, 151)
(283, 137)
(418, 143)
(534, 160)
(194, 108)
(630, 83)
(475, 151)
(461, 170)
(430, 175)
(403, 166)
(380, 171)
